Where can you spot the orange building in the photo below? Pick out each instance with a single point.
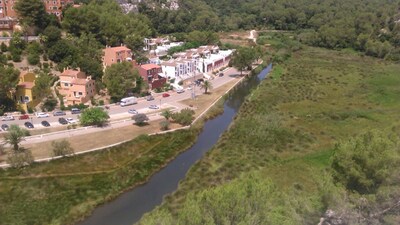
(52, 6)
(76, 87)
(113, 55)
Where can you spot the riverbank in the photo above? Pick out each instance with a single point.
(66, 190)
(277, 151)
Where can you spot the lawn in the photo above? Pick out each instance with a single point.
(287, 128)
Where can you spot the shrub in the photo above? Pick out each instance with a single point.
(45, 57)
(16, 57)
(62, 148)
(20, 159)
(3, 47)
(164, 125)
(33, 59)
(184, 117)
(101, 102)
(49, 104)
(30, 110)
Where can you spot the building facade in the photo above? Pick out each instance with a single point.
(52, 7)
(113, 55)
(25, 95)
(151, 73)
(76, 87)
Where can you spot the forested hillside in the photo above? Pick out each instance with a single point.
(371, 26)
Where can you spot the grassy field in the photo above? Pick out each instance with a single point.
(287, 128)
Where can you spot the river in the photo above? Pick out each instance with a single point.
(129, 207)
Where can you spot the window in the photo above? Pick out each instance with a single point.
(66, 84)
(26, 99)
(79, 93)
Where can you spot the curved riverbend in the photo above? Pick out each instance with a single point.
(129, 207)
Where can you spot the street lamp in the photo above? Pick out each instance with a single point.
(160, 103)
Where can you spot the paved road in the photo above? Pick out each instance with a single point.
(117, 112)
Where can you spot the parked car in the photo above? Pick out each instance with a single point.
(59, 113)
(7, 118)
(71, 121)
(132, 111)
(150, 98)
(221, 74)
(62, 121)
(42, 115)
(28, 125)
(45, 123)
(75, 111)
(180, 91)
(4, 127)
(24, 117)
(189, 88)
(165, 95)
(153, 107)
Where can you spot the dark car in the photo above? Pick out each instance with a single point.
(4, 127)
(24, 117)
(62, 121)
(75, 111)
(59, 113)
(45, 123)
(28, 125)
(221, 74)
(150, 98)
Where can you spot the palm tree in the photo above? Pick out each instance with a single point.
(167, 114)
(206, 85)
(14, 136)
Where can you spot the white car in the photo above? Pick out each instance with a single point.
(42, 115)
(180, 91)
(153, 107)
(71, 121)
(132, 111)
(7, 118)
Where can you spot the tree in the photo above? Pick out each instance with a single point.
(49, 104)
(62, 148)
(14, 136)
(120, 78)
(95, 116)
(32, 13)
(206, 85)
(42, 86)
(167, 114)
(9, 78)
(140, 119)
(243, 58)
(63, 50)
(51, 35)
(134, 42)
(363, 163)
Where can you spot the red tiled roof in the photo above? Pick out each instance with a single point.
(80, 81)
(118, 49)
(70, 73)
(150, 66)
(28, 85)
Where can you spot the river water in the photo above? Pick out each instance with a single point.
(129, 207)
